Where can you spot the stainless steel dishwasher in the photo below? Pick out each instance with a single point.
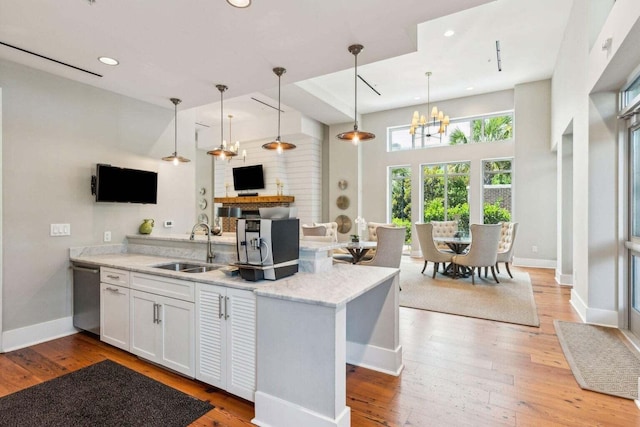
(86, 297)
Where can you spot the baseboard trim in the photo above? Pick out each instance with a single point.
(16, 339)
(564, 279)
(375, 358)
(598, 316)
(578, 305)
(534, 262)
(271, 411)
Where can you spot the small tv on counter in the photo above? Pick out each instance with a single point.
(122, 185)
(248, 178)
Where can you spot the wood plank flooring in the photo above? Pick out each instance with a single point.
(458, 372)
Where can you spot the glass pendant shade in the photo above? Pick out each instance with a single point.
(175, 158)
(356, 135)
(278, 145)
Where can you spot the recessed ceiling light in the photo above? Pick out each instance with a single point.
(108, 61)
(449, 33)
(239, 3)
(470, 88)
(416, 98)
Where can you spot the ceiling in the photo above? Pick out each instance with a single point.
(169, 48)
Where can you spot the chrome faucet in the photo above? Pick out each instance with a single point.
(210, 255)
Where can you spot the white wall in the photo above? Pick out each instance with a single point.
(535, 176)
(585, 84)
(54, 132)
(532, 105)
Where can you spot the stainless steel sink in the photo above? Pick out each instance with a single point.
(186, 267)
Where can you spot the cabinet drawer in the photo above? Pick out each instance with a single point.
(166, 286)
(113, 276)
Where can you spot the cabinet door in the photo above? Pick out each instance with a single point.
(240, 317)
(145, 338)
(114, 315)
(176, 322)
(210, 335)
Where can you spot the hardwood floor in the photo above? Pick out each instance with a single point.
(458, 372)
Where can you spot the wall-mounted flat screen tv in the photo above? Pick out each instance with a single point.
(248, 178)
(114, 184)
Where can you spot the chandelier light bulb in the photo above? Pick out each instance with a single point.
(436, 118)
(175, 161)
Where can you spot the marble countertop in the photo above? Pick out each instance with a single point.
(230, 239)
(333, 288)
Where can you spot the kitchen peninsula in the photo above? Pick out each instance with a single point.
(307, 326)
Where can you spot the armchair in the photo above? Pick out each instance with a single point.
(428, 247)
(483, 251)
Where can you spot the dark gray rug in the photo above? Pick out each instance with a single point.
(104, 394)
(600, 358)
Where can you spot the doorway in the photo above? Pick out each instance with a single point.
(634, 230)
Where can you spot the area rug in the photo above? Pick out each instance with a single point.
(104, 394)
(600, 358)
(509, 301)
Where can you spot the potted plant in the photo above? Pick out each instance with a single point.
(355, 238)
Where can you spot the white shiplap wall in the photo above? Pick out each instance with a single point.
(300, 170)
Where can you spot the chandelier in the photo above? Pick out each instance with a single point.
(226, 151)
(438, 120)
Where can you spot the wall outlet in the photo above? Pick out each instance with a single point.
(107, 236)
(168, 223)
(60, 230)
(534, 249)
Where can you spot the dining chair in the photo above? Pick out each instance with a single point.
(505, 248)
(444, 229)
(331, 229)
(316, 233)
(372, 229)
(483, 251)
(430, 252)
(389, 250)
(314, 230)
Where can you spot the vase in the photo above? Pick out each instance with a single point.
(146, 227)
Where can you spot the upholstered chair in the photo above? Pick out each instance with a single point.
(332, 229)
(483, 251)
(316, 233)
(428, 247)
(371, 230)
(389, 250)
(444, 229)
(505, 247)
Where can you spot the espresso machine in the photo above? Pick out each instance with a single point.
(267, 248)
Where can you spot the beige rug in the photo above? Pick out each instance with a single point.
(600, 358)
(509, 301)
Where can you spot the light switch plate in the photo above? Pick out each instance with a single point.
(60, 230)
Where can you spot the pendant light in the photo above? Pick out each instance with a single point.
(175, 158)
(356, 135)
(279, 145)
(223, 151)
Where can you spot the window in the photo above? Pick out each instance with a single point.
(631, 93)
(496, 191)
(489, 128)
(400, 180)
(446, 193)
(481, 129)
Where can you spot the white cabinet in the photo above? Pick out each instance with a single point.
(226, 339)
(114, 307)
(163, 321)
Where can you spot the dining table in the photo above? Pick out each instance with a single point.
(458, 244)
(359, 249)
